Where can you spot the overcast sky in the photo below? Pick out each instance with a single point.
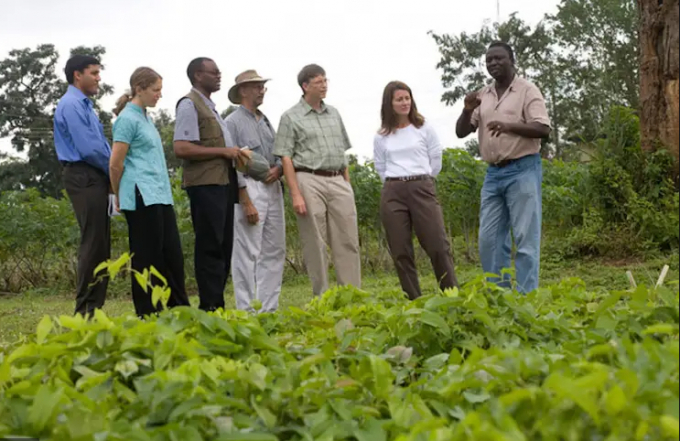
(362, 44)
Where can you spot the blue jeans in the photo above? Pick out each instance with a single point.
(511, 199)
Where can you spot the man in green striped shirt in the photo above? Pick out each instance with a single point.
(312, 141)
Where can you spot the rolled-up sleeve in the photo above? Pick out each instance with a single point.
(535, 110)
(186, 122)
(474, 120)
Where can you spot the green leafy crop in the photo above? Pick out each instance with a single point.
(478, 363)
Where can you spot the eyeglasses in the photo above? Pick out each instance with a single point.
(257, 86)
(320, 82)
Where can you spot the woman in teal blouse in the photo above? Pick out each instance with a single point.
(140, 181)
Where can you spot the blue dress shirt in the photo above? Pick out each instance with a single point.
(78, 133)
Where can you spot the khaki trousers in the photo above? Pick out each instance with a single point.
(331, 220)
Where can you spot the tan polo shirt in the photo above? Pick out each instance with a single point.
(521, 103)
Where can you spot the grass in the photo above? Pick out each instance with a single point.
(20, 314)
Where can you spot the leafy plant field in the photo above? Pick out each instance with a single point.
(565, 363)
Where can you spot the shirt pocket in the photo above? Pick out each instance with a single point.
(512, 114)
(333, 131)
(210, 128)
(252, 141)
(253, 144)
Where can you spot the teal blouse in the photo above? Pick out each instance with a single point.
(145, 165)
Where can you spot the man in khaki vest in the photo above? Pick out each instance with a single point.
(203, 142)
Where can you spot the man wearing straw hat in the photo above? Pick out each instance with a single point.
(259, 219)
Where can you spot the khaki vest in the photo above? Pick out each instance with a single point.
(214, 171)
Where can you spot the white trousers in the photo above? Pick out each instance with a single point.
(259, 253)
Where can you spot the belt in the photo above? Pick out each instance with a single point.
(504, 162)
(325, 173)
(71, 164)
(410, 178)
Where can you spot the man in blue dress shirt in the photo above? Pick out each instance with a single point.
(84, 152)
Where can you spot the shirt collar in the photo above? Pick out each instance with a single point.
(492, 87)
(73, 90)
(249, 113)
(308, 108)
(135, 108)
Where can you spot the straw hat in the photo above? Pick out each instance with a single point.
(249, 76)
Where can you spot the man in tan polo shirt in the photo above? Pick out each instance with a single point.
(512, 118)
(312, 142)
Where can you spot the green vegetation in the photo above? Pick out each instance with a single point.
(622, 204)
(20, 314)
(566, 362)
(586, 357)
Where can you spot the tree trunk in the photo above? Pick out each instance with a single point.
(659, 67)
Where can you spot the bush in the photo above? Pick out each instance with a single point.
(628, 203)
(39, 238)
(622, 203)
(459, 188)
(475, 364)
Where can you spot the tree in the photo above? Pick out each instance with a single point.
(29, 92)
(462, 56)
(12, 173)
(464, 69)
(472, 147)
(596, 58)
(226, 112)
(583, 58)
(659, 67)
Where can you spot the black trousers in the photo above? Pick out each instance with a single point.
(212, 215)
(88, 189)
(154, 240)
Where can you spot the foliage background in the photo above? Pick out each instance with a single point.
(603, 196)
(620, 205)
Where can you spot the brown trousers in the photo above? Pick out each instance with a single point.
(412, 205)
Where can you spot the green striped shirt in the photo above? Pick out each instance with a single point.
(313, 139)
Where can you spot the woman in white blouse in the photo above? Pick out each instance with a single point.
(408, 156)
